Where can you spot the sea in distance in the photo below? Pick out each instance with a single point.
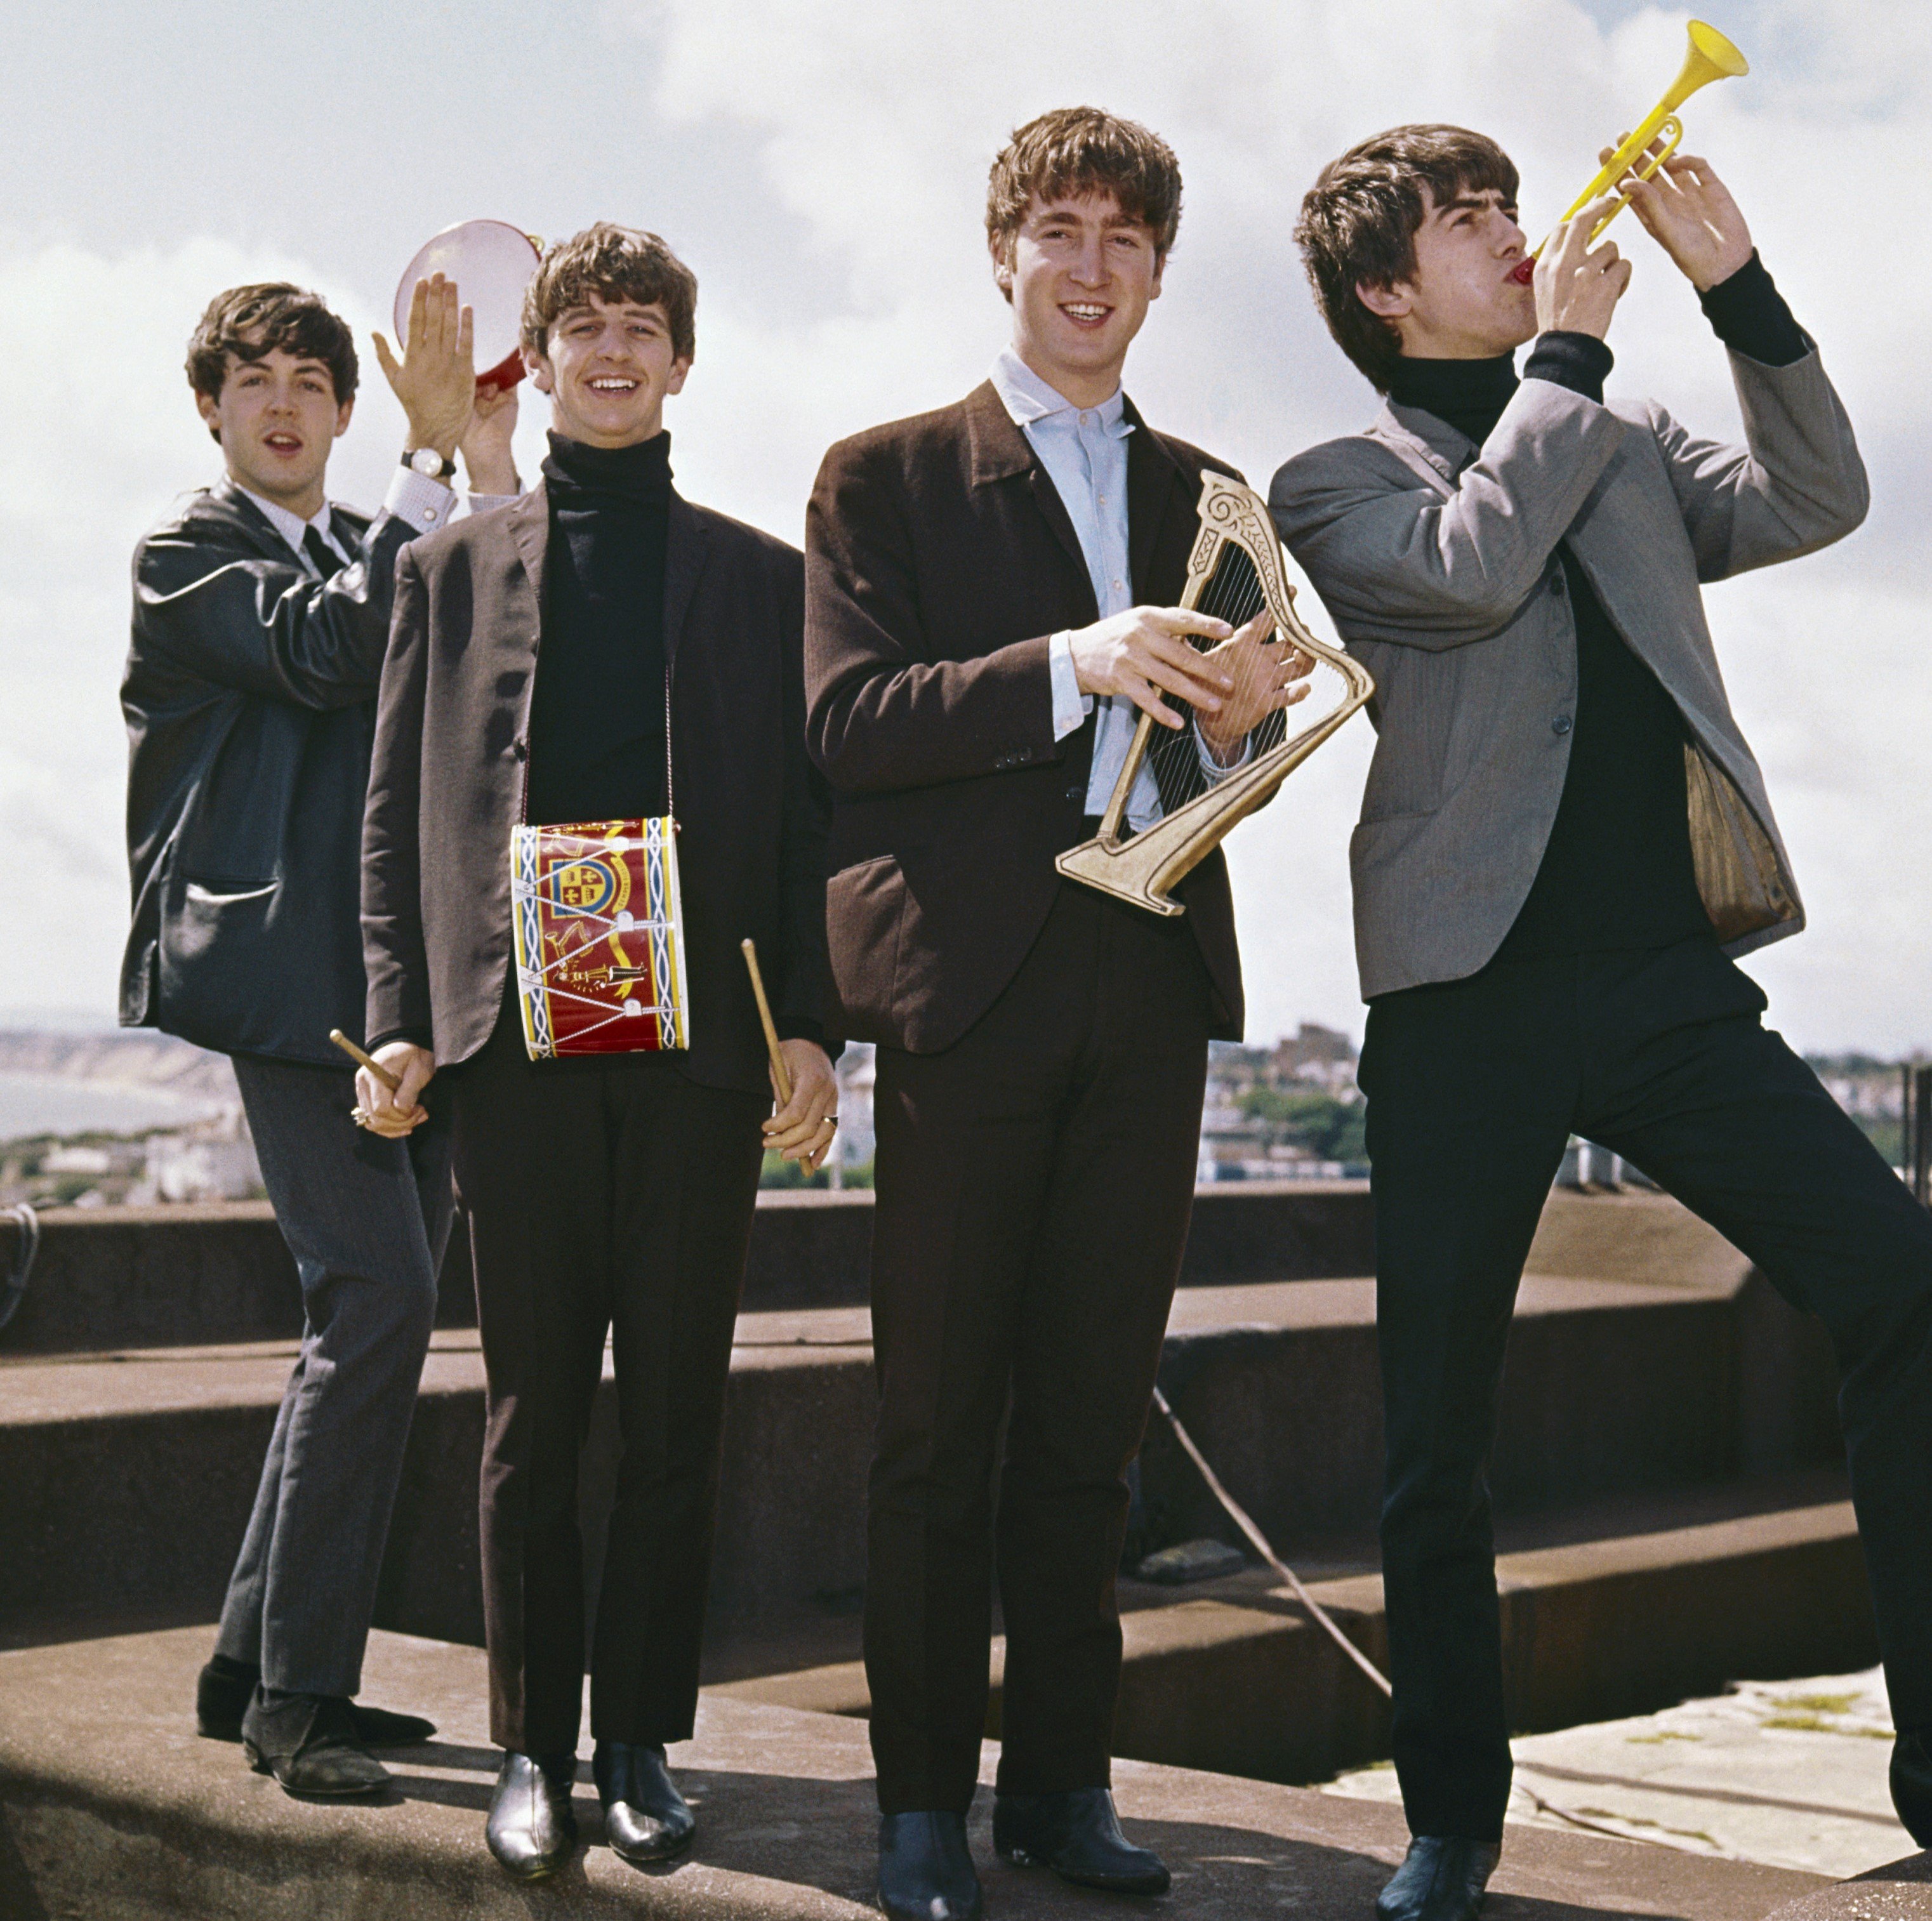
(32, 1104)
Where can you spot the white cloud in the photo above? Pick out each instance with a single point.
(874, 124)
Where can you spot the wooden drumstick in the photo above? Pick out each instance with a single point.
(779, 1075)
(812, 1162)
(391, 1081)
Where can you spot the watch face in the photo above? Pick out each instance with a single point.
(426, 460)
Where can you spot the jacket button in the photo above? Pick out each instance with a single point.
(519, 748)
(1022, 755)
(1076, 793)
(1561, 725)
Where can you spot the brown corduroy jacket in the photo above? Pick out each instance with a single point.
(939, 562)
(452, 729)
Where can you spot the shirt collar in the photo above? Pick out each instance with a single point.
(293, 526)
(1028, 398)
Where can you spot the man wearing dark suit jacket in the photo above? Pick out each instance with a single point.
(1564, 838)
(575, 657)
(976, 652)
(261, 613)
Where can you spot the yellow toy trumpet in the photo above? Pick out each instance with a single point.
(1711, 57)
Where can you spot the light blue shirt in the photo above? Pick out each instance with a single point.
(1084, 452)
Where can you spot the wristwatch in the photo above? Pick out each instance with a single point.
(427, 462)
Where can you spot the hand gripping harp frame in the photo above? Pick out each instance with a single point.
(1143, 867)
(1709, 57)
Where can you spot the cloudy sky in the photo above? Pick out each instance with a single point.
(822, 165)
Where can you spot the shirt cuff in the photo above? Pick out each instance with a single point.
(1070, 706)
(1578, 361)
(1213, 768)
(487, 503)
(1749, 315)
(426, 504)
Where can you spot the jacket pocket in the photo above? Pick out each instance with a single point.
(212, 913)
(865, 916)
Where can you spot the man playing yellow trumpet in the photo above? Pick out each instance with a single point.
(1565, 841)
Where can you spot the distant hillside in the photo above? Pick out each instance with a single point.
(132, 1058)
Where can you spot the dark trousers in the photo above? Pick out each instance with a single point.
(1473, 1089)
(366, 1220)
(605, 1195)
(1034, 1185)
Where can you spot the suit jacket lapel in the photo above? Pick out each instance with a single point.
(1151, 474)
(528, 521)
(685, 545)
(1431, 447)
(1000, 450)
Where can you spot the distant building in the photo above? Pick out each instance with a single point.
(215, 1161)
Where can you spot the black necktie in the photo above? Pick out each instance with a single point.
(322, 557)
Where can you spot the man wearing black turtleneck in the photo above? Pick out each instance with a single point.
(1565, 841)
(593, 652)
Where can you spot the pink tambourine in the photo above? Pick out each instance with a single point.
(491, 262)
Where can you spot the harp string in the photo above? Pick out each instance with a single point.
(1233, 593)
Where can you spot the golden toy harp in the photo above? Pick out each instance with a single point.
(1234, 571)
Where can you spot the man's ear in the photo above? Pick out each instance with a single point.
(342, 413)
(538, 368)
(210, 410)
(679, 369)
(1002, 251)
(1395, 303)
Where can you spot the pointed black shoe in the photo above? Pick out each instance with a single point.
(646, 1819)
(531, 1828)
(925, 1870)
(1442, 1878)
(1912, 1783)
(309, 1743)
(1078, 1835)
(225, 1687)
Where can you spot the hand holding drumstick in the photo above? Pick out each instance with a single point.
(806, 1089)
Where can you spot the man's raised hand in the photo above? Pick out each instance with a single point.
(1689, 212)
(1577, 286)
(435, 378)
(1143, 653)
(485, 444)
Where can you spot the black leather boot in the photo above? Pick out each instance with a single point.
(645, 1817)
(1441, 1878)
(532, 1827)
(1078, 1835)
(225, 1687)
(925, 1869)
(309, 1743)
(1912, 1783)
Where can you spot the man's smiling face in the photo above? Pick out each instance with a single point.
(278, 418)
(1080, 273)
(608, 367)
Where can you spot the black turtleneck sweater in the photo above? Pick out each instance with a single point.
(597, 712)
(1618, 871)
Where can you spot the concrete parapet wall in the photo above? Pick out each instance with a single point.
(162, 1277)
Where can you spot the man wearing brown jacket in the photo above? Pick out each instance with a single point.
(988, 602)
(580, 656)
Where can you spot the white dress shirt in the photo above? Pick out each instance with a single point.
(424, 503)
(1084, 452)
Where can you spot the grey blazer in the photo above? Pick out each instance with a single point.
(1436, 560)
